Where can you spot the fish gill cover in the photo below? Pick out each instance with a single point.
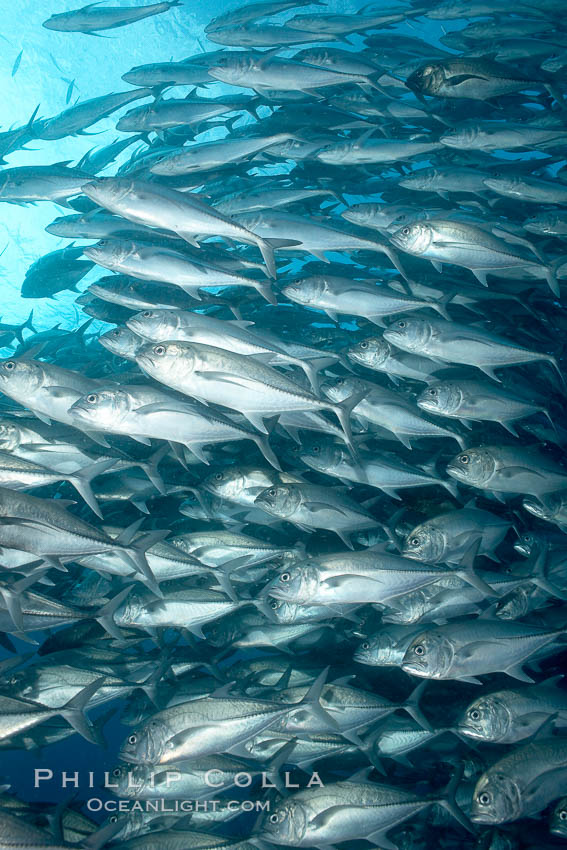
(283, 493)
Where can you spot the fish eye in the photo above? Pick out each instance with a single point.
(219, 476)
(159, 350)
(274, 818)
(113, 819)
(132, 739)
(9, 365)
(405, 231)
(563, 815)
(116, 771)
(414, 541)
(147, 314)
(285, 577)
(474, 714)
(92, 398)
(484, 798)
(364, 345)
(316, 450)
(463, 459)
(272, 492)
(527, 538)
(402, 324)
(432, 392)
(419, 649)
(274, 605)
(365, 645)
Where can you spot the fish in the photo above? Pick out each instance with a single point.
(507, 791)
(29, 183)
(447, 538)
(477, 401)
(337, 295)
(473, 648)
(474, 78)
(507, 469)
(132, 411)
(80, 116)
(455, 343)
(361, 576)
(17, 62)
(301, 822)
(214, 374)
(513, 715)
(147, 206)
(90, 19)
(472, 247)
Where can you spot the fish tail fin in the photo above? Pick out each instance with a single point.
(467, 571)
(277, 761)
(551, 275)
(26, 324)
(449, 802)
(81, 481)
(264, 446)
(311, 370)
(343, 413)
(150, 467)
(105, 615)
(413, 708)
(267, 252)
(540, 576)
(74, 711)
(266, 291)
(312, 697)
(553, 362)
(29, 125)
(440, 306)
(137, 555)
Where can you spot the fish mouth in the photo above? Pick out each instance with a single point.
(471, 732)
(92, 252)
(310, 461)
(397, 241)
(100, 291)
(131, 324)
(280, 593)
(490, 183)
(145, 361)
(484, 817)
(456, 472)
(90, 189)
(125, 755)
(107, 344)
(390, 334)
(78, 410)
(425, 404)
(294, 294)
(416, 668)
